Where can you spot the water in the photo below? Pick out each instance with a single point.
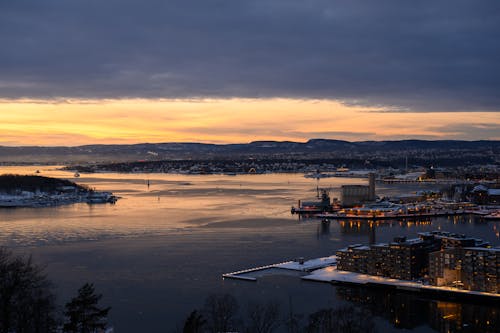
(160, 251)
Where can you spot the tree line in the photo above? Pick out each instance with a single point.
(31, 183)
(28, 304)
(221, 313)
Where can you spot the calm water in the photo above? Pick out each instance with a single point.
(160, 251)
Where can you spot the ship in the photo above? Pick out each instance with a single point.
(312, 207)
(101, 197)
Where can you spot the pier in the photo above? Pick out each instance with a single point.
(325, 270)
(297, 265)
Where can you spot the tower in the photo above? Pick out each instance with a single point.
(371, 185)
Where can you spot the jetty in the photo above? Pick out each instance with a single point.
(325, 270)
(297, 265)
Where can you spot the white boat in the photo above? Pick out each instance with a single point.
(101, 197)
(77, 174)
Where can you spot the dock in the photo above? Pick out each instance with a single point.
(391, 216)
(325, 270)
(298, 265)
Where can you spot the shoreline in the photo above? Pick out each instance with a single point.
(324, 270)
(12, 202)
(334, 276)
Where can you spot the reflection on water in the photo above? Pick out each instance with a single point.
(409, 311)
(161, 249)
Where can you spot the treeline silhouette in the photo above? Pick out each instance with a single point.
(10, 183)
(223, 313)
(28, 304)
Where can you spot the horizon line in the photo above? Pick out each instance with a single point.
(240, 143)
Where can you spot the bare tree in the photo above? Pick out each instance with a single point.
(346, 319)
(26, 300)
(263, 318)
(220, 311)
(292, 319)
(194, 323)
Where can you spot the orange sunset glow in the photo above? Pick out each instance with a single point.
(75, 122)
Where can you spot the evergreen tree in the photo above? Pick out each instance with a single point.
(83, 313)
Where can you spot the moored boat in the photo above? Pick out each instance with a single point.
(493, 216)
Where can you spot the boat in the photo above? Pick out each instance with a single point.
(311, 207)
(77, 174)
(101, 197)
(325, 221)
(493, 216)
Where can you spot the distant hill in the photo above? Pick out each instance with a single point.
(314, 148)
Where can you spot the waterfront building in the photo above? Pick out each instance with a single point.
(471, 268)
(352, 195)
(445, 266)
(483, 195)
(443, 258)
(481, 269)
(401, 259)
(451, 240)
(354, 258)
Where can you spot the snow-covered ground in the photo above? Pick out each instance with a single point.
(332, 274)
(308, 265)
(30, 199)
(298, 265)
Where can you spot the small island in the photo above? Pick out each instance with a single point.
(39, 191)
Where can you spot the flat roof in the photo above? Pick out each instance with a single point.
(491, 249)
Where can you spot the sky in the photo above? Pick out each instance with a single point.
(222, 71)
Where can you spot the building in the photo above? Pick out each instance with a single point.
(401, 259)
(354, 258)
(482, 195)
(471, 268)
(481, 269)
(443, 258)
(445, 266)
(352, 195)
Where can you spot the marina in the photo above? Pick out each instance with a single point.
(360, 202)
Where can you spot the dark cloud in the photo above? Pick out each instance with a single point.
(417, 55)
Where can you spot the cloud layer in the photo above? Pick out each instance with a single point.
(408, 55)
(227, 121)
